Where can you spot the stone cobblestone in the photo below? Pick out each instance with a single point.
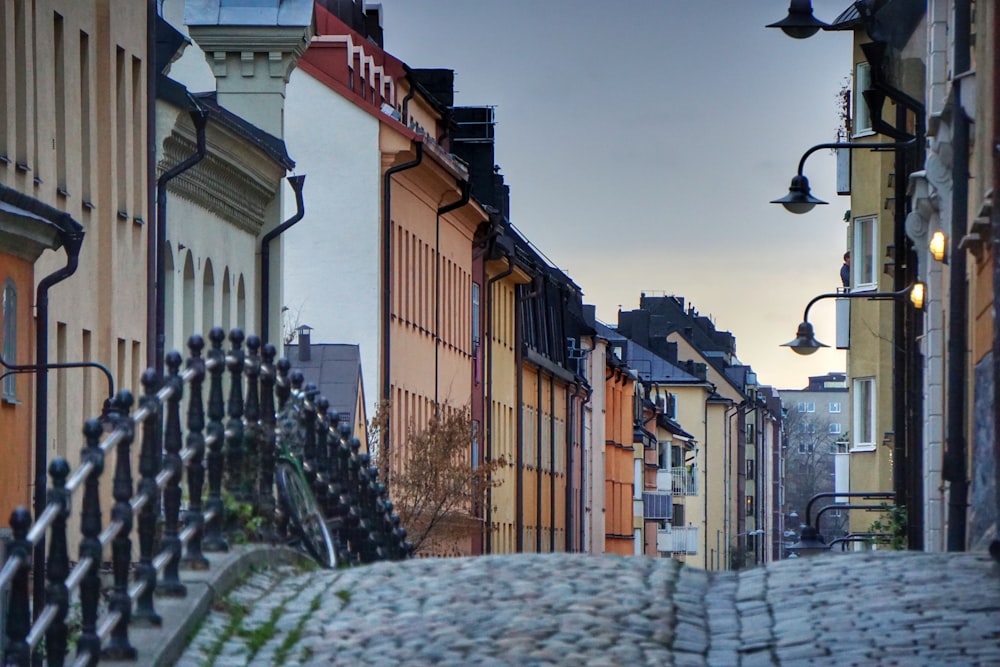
(563, 609)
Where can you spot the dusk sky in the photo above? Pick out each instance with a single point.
(642, 141)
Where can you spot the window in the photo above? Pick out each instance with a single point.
(834, 408)
(834, 428)
(751, 506)
(863, 255)
(750, 469)
(475, 317)
(864, 414)
(862, 82)
(10, 338)
(807, 407)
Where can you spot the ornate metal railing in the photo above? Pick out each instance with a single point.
(236, 455)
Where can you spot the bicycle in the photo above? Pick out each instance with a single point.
(298, 503)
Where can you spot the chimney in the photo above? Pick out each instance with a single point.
(305, 339)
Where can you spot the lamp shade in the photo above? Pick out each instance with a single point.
(798, 199)
(805, 340)
(800, 22)
(810, 543)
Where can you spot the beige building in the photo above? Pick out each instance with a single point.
(73, 135)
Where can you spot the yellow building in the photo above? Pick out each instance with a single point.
(73, 136)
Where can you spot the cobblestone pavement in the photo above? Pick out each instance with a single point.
(862, 609)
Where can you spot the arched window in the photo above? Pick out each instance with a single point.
(168, 300)
(10, 338)
(241, 305)
(208, 298)
(188, 320)
(227, 301)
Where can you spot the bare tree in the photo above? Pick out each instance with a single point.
(809, 467)
(435, 487)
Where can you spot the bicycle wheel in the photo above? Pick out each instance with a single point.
(299, 504)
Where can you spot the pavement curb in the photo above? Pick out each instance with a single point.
(162, 646)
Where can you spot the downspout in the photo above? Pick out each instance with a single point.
(152, 13)
(156, 270)
(519, 467)
(488, 408)
(72, 242)
(447, 208)
(297, 183)
(995, 215)
(552, 463)
(538, 460)
(387, 273)
(405, 113)
(955, 458)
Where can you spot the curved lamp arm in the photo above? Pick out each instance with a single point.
(852, 146)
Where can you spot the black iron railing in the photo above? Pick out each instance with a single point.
(267, 401)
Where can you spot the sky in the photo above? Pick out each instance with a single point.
(642, 141)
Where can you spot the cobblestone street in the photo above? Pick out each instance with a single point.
(882, 608)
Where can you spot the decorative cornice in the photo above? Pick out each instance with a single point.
(219, 185)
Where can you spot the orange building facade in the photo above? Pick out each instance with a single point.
(619, 466)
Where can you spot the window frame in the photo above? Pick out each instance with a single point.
(834, 408)
(862, 126)
(859, 281)
(858, 444)
(8, 391)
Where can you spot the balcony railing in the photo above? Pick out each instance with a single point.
(677, 539)
(680, 481)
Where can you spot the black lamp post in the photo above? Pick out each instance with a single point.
(805, 341)
(799, 199)
(800, 22)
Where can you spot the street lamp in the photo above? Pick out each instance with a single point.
(800, 22)
(810, 543)
(799, 198)
(805, 342)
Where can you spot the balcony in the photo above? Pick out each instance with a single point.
(657, 505)
(677, 539)
(679, 481)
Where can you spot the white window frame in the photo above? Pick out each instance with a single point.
(862, 126)
(834, 428)
(860, 440)
(834, 408)
(865, 229)
(9, 336)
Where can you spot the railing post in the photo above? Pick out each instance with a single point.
(252, 441)
(265, 478)
(309, 433)
(214, 541)
(90, 547)
(170, 585)
(321, 487)
(119, 647)
(57, 567)
(234, 427)
(149, 466)
(19, 615)
(283, 392)
(193, 558)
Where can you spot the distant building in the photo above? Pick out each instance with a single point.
(817, 437)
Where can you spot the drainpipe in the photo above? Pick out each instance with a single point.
(519, 464)
(995, 215)
(956, 458)
(297, 182)
(488, 408)
(72, 242)
(405, 114)
(152, 13)
(447, 208)
(387, 273)
(156, 270)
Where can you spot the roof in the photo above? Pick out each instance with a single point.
(648, 365)
(26, 207)
(335, 369)
(248, 12)
(269, 144)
